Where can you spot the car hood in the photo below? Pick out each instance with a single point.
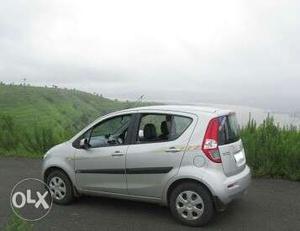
(57, 149)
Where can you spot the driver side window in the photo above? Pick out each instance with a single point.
(110, 132)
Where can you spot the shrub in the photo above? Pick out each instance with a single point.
(41, 138)
(272, 150)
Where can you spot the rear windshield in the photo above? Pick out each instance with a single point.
(228, 130)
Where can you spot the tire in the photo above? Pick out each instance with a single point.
(58, 181)
(191, 204)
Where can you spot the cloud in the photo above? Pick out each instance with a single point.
(231, 52)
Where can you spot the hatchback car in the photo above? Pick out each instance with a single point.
(188, 158)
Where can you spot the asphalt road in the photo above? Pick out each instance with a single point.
(269, 205)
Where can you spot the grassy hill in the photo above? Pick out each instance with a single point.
(34, 118)
(43, 105)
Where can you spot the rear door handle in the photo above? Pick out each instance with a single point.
(117, 153)
(173, 149)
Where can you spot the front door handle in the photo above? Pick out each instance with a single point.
(173, 149)
(117, 153)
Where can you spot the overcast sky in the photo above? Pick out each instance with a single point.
(232, 52)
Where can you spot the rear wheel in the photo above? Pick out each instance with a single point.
(61, 187)
(191, 204)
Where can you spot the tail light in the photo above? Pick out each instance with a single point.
(210, 142)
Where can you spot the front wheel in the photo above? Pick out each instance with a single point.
(191, 204)
(61, 187)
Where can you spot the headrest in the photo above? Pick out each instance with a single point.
(150, 132)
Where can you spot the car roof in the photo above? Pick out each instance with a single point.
(180, 108)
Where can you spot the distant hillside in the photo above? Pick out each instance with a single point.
(29, 104)
(27, 111)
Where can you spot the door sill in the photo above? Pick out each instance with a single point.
(122, 196)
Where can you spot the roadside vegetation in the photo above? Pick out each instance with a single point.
(272, 150)
(33, 119)
(17, 224)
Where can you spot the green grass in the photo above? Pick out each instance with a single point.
(17, 224)
(32, 119)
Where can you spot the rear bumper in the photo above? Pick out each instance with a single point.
(234, 186)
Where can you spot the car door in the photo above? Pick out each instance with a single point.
(101, 166)
(157, 151)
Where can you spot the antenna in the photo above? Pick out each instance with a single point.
(139, 100)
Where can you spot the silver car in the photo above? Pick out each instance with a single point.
(188, 158)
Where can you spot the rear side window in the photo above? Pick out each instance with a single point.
(228, 130)
(161, 127)
(180, 124)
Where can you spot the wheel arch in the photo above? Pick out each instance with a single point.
(179, 181)
(53, 168)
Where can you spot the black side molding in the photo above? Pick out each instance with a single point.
(102, 171)
(153, 170)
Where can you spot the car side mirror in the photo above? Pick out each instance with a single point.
(83, 143)
(141, 134)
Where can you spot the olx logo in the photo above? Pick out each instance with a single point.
(27, 199)
(31, 199)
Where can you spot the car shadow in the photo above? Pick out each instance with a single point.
(156, 212)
